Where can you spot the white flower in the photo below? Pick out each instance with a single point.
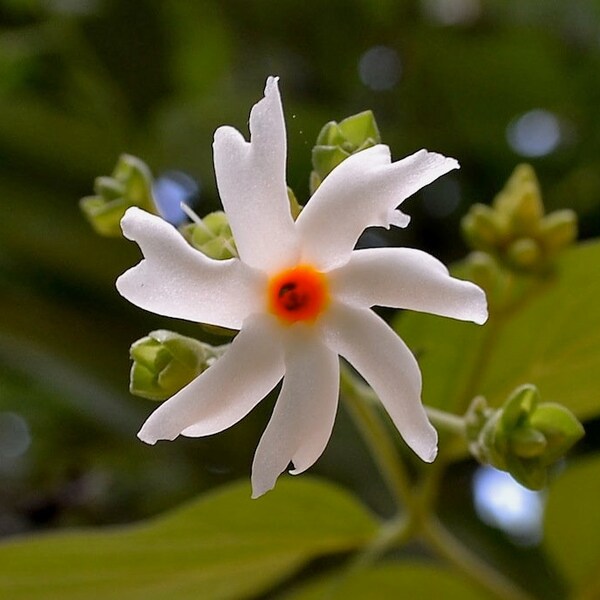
(299, 294)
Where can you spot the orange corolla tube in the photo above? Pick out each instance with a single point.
(298, 294)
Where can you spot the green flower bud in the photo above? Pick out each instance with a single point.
(326, 158)
(524, 254)
(483, 270)
(330, 135)
(560, 428)
(514, 229)
(519, 406)
(521, 200)
(558, 230)
(498, 283)
(129, 185)
(212, 236)
(482, 228)
(524, 437)
(337, 141)
(164, 362)
(528, 442)
(360, 130)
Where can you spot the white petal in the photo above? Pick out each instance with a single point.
(361, 192)
(388, 366)
(177, 281)
(407, 278)
(251, 182)
(227, 391)
(303, 416)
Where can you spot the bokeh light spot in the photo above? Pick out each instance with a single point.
(535, 133)
(503, 503)
(14, 435)
(170, 190)
(380, 68)
(452, 12)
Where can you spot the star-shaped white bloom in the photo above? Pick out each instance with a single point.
(299, 294)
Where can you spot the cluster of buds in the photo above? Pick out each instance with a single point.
(129, 185)
(164, 362)
(211, 235)
(337, 141)
(524, 437)
(515, 230)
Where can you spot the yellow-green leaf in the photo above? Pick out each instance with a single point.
(223, 546)
(572, 526)
(408, 580)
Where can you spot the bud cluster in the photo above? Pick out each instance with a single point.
(211, 235)
(524, 437)
(514, 228)
(164, 362)
(129, 185)
(337, 141)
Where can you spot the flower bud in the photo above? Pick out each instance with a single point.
(514, 229)
(482, 269)
(524, 437)
(212, 236)
(560, 428)
(520, 201)
(337, 141)
(164, 362)
(482, 228)
(558, 230)
(528, 442)
(497, 283)
(129, 185)
(524, 254)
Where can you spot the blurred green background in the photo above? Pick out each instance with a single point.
(490, 82)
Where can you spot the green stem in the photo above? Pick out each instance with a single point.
(359, 400)
(419, 517)
(451, 549)
(483, 356)
(446, 421)
(392, 533)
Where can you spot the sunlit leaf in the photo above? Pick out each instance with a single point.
(572, 527)
(222, 546)
(411, 580)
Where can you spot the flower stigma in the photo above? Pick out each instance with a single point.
(298, 294)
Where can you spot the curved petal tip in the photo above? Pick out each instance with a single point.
(429, 458)
(425, 449)
(272, 82)
(480, 307)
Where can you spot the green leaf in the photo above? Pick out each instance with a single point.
(572, 527)
(222, 546)
(552, 341)
(409, 580)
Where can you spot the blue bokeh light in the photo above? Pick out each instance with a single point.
(503, 503)
(535, 133)
(170, 190)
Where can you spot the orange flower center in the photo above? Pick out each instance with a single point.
(298, 294)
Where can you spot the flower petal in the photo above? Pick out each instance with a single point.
(303, 416)
(361, 192)
(251, 182)
(407, 278)
(388, 366)
(177, 281)
(227, 391)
